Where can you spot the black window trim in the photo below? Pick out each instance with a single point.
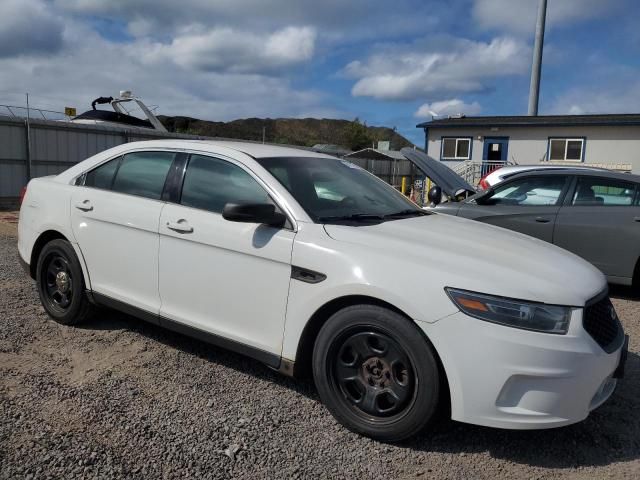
(173, 183)
(115, 173)
(568, 202)
(176, 187)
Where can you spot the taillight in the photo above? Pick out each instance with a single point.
(483, 184)
(23, 192)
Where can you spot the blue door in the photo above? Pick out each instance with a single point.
(494, 153)
(495, 148)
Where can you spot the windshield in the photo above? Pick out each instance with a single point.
(336, 191)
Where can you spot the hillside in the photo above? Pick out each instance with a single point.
(293, 131)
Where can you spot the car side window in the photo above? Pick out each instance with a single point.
(143, 174)
(533, 191)
(211, 183)
(603, 192)
(102, 176)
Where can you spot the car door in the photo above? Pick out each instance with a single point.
(600, 221)
(226, 278)
(115, 213)
(528, 204)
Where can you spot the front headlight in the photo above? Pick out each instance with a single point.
(511, 312)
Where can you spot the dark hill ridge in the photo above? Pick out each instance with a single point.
(293, 131)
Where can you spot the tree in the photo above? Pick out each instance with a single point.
(357, 135)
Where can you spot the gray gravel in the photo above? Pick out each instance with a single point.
(119, 398)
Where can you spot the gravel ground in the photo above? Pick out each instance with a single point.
(119, 398)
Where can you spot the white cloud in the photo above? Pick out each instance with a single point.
(187, 66)
(607, 87)
(616, 97)
(441, 66)
(454, 106)
(28, 28)
(92, 66)
(229, 50)
(520, 15)
(333, 19)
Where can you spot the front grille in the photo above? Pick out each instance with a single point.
(601, 322)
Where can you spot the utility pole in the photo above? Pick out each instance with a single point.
(536, 66)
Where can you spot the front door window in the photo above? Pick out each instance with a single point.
(536, 191)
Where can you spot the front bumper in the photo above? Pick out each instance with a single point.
(510, 378)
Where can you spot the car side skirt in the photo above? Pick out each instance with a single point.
(270, 359)
(619, 280)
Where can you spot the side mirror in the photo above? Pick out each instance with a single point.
(264, 213)
(435, 195)
(484, 197)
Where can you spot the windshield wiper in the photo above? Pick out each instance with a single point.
(406, 213)
(353, 217)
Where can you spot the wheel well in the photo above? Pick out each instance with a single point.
(635, 281)
(304, 352)
(43, 239)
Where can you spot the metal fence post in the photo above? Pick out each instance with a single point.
(28, 149)
(28, 132)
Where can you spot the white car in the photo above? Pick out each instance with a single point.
(305, 261)
(497, 175)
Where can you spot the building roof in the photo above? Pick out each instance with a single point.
(375, 153)
(537, 121)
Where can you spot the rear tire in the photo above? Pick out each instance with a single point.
(61, 284)
(376, 373)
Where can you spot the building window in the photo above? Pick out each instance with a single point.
(566, 149)
(456, 148)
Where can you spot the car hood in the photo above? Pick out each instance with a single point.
(473, 256)
(450, 182)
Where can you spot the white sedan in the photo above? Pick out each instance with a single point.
(307, 262)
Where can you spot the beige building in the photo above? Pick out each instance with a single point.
(607, 140)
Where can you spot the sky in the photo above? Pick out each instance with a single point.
(388, 63)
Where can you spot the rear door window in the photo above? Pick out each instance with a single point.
(603, 192)
(143, 174)
(102, 177)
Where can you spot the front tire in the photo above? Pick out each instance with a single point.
(61, 284)
(376, 373)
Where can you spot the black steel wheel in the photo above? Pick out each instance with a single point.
(376, 372)
(61, 284)
(372, 372)
(58, 282)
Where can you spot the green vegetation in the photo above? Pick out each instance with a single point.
(306, 132)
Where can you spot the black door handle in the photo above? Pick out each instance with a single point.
(636, 219)
(542, 220)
